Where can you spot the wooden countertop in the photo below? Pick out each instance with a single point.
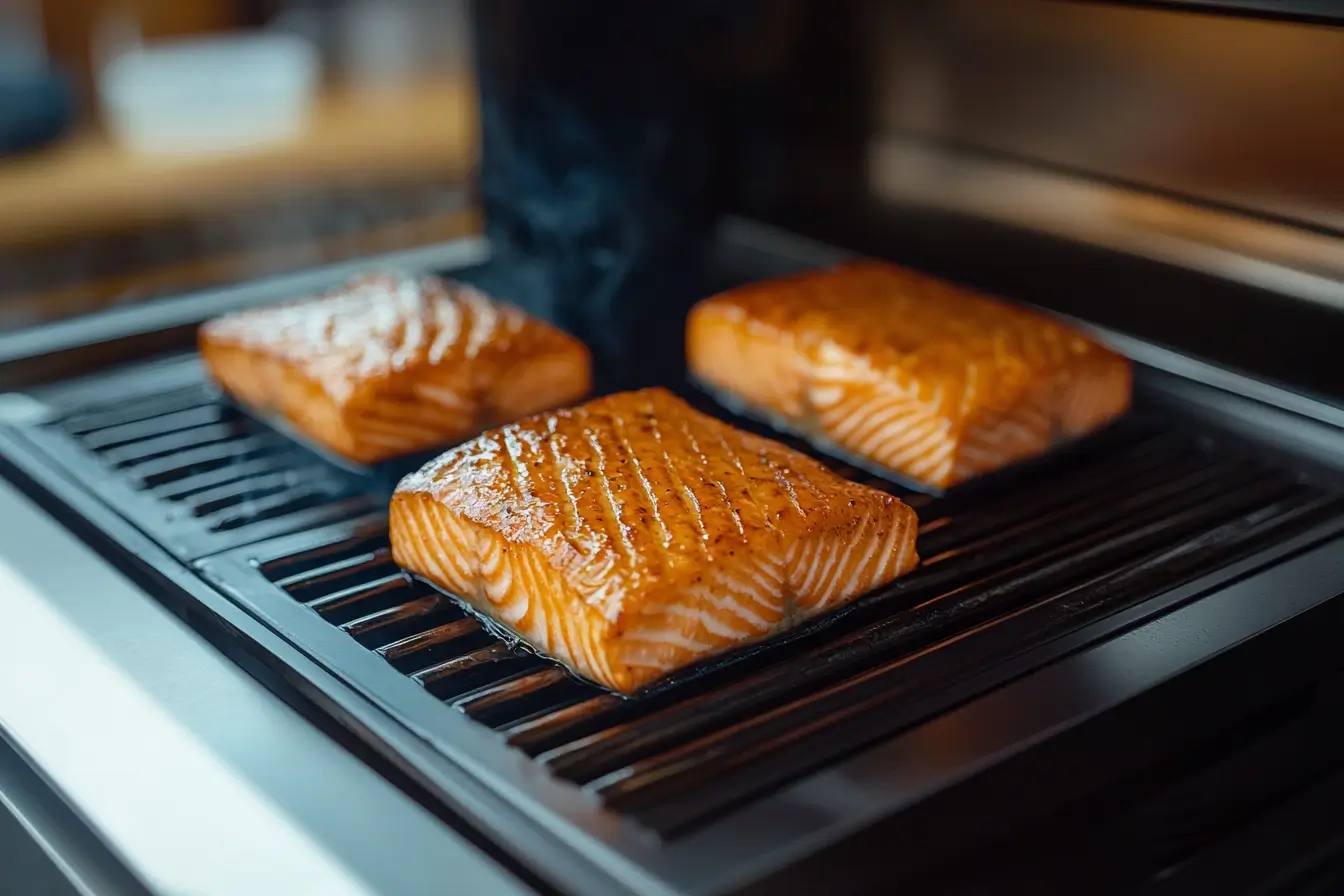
(88, 183)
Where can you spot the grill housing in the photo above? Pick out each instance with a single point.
(1139, 511)
(1023, 574)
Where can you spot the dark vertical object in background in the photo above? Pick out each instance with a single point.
(613, 132)
(594, 159)
(802, 114)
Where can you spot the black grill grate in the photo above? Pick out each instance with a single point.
(198, 475)
(1009, 567)
(1015, 566)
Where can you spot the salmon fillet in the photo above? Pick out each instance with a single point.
(633, 535)
(909, 373)
(387, 366)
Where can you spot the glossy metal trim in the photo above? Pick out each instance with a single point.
(1291, 261)
(1322, 11)
(52, 830)
(201, 780)
(163, 314)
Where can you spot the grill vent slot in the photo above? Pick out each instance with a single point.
(1006, 569)
(197, 473)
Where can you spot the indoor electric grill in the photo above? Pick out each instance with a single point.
(1052, 599)
(1116, 668)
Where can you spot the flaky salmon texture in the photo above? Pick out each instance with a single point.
(906, 372)
(633, 535)
(387, 365)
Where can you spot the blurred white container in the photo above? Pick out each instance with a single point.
(211, 95)
(385, 44)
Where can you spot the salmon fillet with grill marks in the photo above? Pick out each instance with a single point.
(633, 535)
(919, 376)
(387, 366)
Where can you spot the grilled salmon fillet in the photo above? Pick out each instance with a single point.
(633, 535)
(903, 371)
(387, 366)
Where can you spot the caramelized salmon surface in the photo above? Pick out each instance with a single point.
(387, 366)
(631, 536)
(918, 376)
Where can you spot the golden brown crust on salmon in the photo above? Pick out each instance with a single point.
(387, 366)
(633, 535)
(928, 379)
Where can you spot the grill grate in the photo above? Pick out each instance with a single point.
(1008, 567)
(196, 473)
(1014, 564)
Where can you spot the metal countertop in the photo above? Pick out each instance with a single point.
(198, 779)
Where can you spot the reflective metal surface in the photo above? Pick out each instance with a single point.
(194, 774)
(1233, 110)
(45, 847)
(1287, 260)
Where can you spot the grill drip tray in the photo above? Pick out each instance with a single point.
(1018, 571)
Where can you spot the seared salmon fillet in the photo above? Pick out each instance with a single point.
(387, 366)
(909, 373)
(631, 536)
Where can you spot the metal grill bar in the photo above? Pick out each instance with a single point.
(282, 504)
(507, 702)
(382, 590)
(490, 665)
(358, 565)
(290, 570)
(144, 407)
(160, 470)
(192, 419)
(191, 486)
(387, 624)
(210, 501)
(423, 649)
(132, 454)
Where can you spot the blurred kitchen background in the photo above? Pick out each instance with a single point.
(152, 147)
